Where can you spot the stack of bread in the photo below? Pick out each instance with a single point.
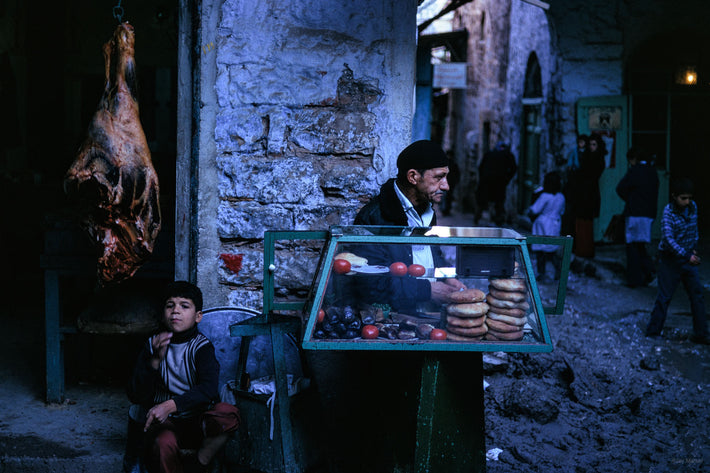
(466, 315)
(508, 310)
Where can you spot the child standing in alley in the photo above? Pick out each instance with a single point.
(547, 211)
(175, 392)
(678, 261)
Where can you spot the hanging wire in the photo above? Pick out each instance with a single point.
(118, 11)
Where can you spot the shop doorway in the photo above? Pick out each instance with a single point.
(529, 162)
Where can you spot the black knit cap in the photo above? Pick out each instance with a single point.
(422, 154)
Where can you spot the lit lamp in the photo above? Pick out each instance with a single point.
(686, 75)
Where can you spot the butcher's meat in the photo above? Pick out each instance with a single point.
(112, 178)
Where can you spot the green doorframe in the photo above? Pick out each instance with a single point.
(608, 115)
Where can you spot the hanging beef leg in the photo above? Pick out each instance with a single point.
(112, 180)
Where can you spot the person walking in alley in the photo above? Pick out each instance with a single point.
(639, 190)
(571, 165)
(547, 210)
(497, 168)
(678, 261)
(585, 196)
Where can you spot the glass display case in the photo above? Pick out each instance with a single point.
(468, 289)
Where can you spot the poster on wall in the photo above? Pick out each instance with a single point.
(605, 118)
(604, 121)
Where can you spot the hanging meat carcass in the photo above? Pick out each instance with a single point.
(113, 178)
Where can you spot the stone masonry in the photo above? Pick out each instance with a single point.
(311, 104)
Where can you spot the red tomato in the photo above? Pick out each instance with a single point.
(398, 269)
(437, 334)
(416, 270)
(370, 332)
(321, 315)
(341, 266)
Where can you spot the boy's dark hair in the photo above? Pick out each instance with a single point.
(185, 290)
(552, 183)
(637, 153)
(681, 185)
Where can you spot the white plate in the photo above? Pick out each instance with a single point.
(370, 269)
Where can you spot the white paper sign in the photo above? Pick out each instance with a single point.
(451, 75)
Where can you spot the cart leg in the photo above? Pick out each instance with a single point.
(450, 420)
(283, 401)
(53, 339)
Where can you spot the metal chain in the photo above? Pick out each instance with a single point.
(118, 11)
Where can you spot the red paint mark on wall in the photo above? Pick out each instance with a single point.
(232, 262)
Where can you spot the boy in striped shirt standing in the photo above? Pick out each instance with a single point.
(678, 261)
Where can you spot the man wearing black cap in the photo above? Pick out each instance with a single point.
(407, 201)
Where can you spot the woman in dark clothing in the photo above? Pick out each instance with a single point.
(584, 183)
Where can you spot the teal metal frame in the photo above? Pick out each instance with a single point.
(336, 238)
(275, 326)
(565, 242)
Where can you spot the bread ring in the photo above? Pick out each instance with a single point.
(465, 321)
(511, 284)
(519, 321)
(498, 326)
(518, 313)
(505, 337)
(467, 295)
(459, 338)
(513, 296)
(474, 309)
(467, 332)
(495, 302)
(353, 259)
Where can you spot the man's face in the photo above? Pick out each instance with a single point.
(682, 200)
(179, 314)
(430, 185)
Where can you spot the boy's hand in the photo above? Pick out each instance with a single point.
(694, 259)
(160, 344)
(159, 413)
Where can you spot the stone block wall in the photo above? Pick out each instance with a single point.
(311, 103)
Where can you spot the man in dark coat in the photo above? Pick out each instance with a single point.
(639, 189)
(406, 201)
(497, 168)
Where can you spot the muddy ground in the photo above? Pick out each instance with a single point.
(607, 399)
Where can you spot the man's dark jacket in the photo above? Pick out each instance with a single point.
(402, 293)
(639, 189)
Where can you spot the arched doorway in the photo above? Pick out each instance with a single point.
(668, 81)
(529, 162)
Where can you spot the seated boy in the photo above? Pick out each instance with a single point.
(175, 391)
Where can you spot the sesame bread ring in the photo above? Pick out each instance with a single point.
(505, 337)
(467, 332)
(474, 309)
(467, 295)
(498, 326)
(511, 284)
(459, 338)
(519, 321)
(509, 312)
(465, 321)
(495, 302)
(513, 296)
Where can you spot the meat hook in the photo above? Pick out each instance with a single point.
(118, 11)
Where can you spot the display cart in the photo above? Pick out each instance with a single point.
(363, 298)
